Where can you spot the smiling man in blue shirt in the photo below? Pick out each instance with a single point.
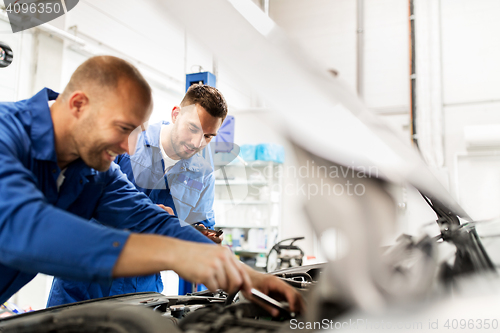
(57, 173)
(166, 165)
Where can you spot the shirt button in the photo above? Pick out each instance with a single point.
(116, 244)
(81, 181)
(54, 170)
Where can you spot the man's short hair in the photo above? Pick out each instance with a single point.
(107, 72)
(207, 97)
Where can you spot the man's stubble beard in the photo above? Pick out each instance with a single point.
(175, 147)
(91, 154)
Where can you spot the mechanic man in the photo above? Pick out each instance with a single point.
(167, 168)
(166, 165)
(57, 172)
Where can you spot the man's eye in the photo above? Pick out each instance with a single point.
(194, 130)
(124, 129)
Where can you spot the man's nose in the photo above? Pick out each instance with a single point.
(197, 141)
(124, 146)
(204, 143)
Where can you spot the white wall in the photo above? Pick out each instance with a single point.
(471, 70)
(463, 70)
(17, 78)
(386, 83)
(10, 75)
(142, 34)
(325, 29)
(471, 93)
(468, 183)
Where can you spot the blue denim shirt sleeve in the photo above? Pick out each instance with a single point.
(203, 210)
(145, 169)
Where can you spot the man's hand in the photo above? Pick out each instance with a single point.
(211, 234)
(275, 288)
(167, 209)
(214, 266)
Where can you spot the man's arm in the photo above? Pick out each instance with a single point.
(122, 206)
(202, 214)
(217, 268)
(214, 266)
(203, 210)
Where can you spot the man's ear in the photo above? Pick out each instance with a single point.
(78, 102)
(175, 113)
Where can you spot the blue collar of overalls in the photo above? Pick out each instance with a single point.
(152, 139)
(42, 128)
(43, 146)
(152, 134)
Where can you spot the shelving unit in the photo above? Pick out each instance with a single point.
(251, 208)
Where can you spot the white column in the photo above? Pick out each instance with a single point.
(429, 100)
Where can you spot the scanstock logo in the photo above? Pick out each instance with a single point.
(26, 14)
